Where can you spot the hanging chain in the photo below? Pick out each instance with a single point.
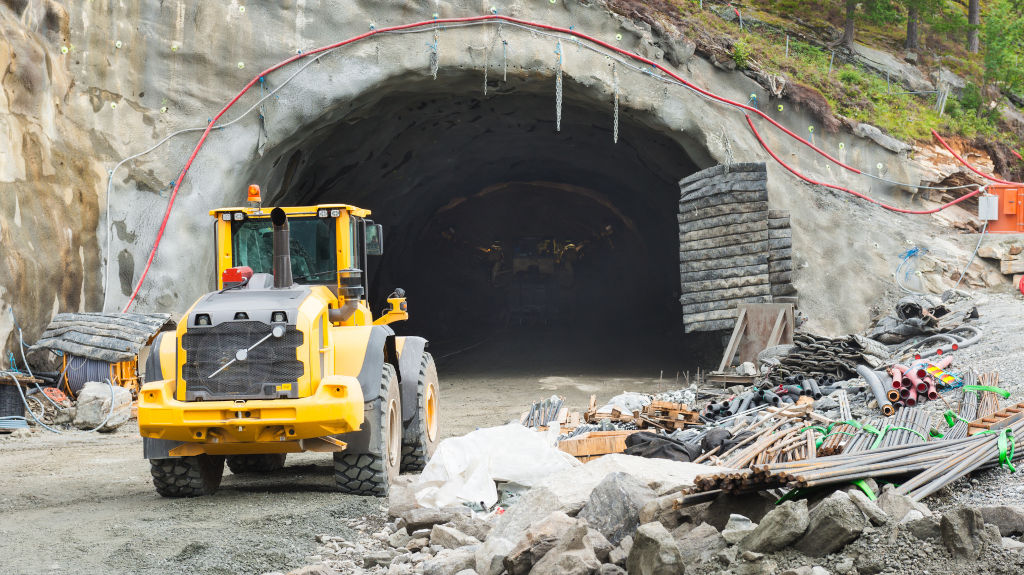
(615, 89)
(558, 89)
(434, 54)
(504, 54)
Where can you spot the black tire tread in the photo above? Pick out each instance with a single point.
(365, 473)
(256, 463)
(190, 476)
(414, 446)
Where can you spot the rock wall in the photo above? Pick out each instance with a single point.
(86, 84)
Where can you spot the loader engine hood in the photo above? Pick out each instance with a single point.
(230, 349)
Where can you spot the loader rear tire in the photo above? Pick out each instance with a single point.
(421, 437)
(259, 463)
(190, 476)
(372, 473)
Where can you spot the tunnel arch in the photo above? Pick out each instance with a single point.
(455, 176)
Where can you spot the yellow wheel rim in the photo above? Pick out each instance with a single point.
(431, 412)
(394, 446)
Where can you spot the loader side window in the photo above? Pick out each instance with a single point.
(312, 248)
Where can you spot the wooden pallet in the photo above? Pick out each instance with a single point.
(997, 420)
(667, 415)
(595, 444)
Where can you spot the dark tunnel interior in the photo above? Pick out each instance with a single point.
(553, 244)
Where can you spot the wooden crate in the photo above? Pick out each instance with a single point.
(595, 444)
(1003, 415)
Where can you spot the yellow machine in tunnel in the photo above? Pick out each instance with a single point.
(285, 357)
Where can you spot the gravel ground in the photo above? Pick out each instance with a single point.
(83, 503)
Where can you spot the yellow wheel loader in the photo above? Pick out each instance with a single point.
(287, 357)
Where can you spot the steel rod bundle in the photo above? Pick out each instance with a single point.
(932, 466)
(989, 400)
(968, 408)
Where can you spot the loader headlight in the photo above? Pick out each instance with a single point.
(321, 213)
(226, 217)
(239, 216)
(203, 319)
(279, 317)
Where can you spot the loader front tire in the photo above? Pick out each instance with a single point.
(421, 437)
(258, 463)
(190, 476)
(371, 473)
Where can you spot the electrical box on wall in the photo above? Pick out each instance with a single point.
(1009, 212)
(988, 208)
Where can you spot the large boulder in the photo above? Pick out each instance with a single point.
(450, 537)
(654, 552)
(779, 528)
(833, 523)
(573, 555)
(897, 506)
(873, 512)
(963, 532)
(1008, 518)
(924, 528)
(426, 517)
(614, 506)
(540, 538)
(737, 528)
(508, 528)
(402, 496)
(450, 561)
(102, 406)
(699, 545)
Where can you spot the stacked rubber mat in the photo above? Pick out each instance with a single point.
(732, 248)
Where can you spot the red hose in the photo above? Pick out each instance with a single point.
(969, 166)
(849, 191)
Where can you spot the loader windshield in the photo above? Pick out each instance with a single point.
(312, 248)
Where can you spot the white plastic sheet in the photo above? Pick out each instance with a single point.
(464, 469)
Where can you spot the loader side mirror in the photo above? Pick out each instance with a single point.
(374, 240)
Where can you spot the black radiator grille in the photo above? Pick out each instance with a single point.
(268, 365)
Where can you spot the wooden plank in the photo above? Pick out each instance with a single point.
(590, 445)
(776, 334)
(734, 341)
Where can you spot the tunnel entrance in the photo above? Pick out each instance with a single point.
(551, 243)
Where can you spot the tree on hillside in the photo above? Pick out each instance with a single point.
(974, 20)
(1004, 44)
(913, 16)
(848, 26)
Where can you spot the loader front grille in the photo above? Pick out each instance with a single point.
(268, 365)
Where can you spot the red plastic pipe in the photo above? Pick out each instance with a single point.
(849, 191)
(897, 378)
(968, 165)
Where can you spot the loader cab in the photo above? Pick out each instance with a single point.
(329, 246)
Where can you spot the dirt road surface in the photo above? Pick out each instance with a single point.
(82, 503)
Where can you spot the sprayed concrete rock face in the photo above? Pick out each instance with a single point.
(409, 125)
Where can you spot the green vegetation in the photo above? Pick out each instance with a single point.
(862, 95)
(741, 54)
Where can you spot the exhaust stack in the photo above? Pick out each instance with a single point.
(282, 249)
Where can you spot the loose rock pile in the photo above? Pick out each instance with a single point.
(631, 523)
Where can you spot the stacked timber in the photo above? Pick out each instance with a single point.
(780, 255)
(725, 245)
